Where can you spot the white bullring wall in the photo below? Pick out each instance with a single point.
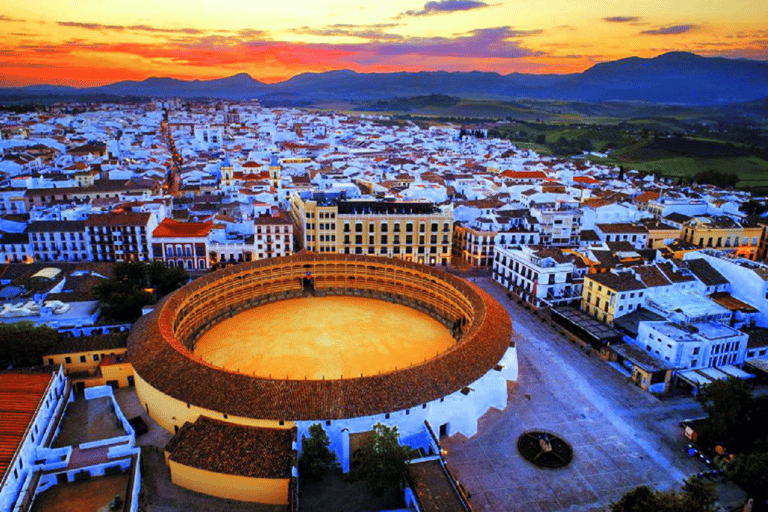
(461, 412)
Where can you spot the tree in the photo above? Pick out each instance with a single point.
(639, 499)
(750, 472)
(126, 293)
(316, 458)
(24, 343)
(696, 495)
(729, 405)
(384, 462)
(121, 302)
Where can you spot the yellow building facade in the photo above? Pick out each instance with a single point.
(414, 231)
(609, 295)
(96, 367)
(723, 233)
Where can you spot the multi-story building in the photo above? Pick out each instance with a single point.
(414, 231)
(476, 242)
(124, 236)
(557, 223)
(623, 232)
(59, 240)
(273, 236)
(610, 295)
(231, 247)
(693, 346)
(724, 233)
(659, 233)
(15, 248)
(182, 244)
(540, 276)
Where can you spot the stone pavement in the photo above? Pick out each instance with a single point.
(622, 437)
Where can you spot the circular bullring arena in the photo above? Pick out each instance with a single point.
(254, 354)
(176, 384)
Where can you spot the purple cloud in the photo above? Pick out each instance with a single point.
(622, 19)
(3, 17)
(675, 29)
(479, 43)
(445, 6)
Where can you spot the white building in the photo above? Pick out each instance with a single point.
(273, 236)
(540, 276)
(694, 345)
(557, 223)
(53, 240)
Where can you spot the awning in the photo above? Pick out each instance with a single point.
(704, 376)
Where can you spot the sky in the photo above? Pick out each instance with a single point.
(95, 42)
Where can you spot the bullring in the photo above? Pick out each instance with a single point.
(450, 391)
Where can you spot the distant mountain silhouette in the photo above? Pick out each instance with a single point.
(675, 77)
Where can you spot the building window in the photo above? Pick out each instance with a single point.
(68, 360)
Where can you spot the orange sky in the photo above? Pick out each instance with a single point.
(86, 43)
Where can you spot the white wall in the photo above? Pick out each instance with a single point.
(460, 412)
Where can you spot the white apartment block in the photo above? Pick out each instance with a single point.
(273, 236)
(693, 346)
(542, 277)
(53, 240)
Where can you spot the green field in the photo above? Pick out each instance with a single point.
(670, 140)
(752, 171)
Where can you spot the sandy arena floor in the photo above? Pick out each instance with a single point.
(326, 337)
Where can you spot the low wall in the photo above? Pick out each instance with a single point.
(233, 487)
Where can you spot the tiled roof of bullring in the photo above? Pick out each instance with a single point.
(160, 359)
(223, 447)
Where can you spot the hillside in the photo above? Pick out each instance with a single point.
(681, 78)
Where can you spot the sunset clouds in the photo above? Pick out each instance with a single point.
(95, 44)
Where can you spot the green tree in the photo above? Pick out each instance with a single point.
(384, 462)
(24, 343)
(695, 496)
(316, 458)
(698, 495)
(750, 472)
(166, 279)
(728, 404)
(126, 293)
(639, 499)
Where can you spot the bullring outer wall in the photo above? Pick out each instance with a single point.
(171, 378)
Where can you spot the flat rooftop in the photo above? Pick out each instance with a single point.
(692, 305)
(87, 421)
(93, 495)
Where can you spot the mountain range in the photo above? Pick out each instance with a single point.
(676, 77)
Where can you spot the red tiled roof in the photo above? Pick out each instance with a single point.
(20, 395)
(160, 359)
(223, 447)
(585, 179)
(524, 175)
(170, 228)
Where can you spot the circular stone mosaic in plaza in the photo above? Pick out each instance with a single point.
(545, 449)
(324, 337)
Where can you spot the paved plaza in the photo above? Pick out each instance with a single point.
(622, 437)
